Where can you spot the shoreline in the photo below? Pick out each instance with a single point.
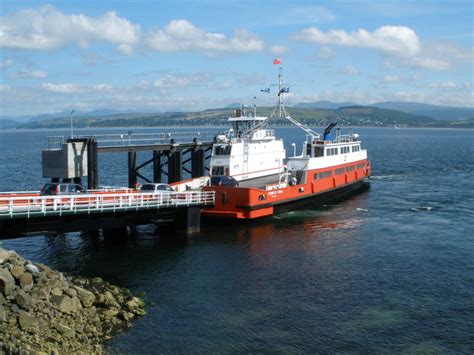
(44, 310)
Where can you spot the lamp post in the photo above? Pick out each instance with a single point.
(70, 118)
(294, 149)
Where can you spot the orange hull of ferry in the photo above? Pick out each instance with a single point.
(250, 203)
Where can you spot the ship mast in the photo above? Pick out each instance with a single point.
(282, 110)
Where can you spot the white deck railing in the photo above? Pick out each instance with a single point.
(15, 206)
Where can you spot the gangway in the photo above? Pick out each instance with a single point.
(29, 213)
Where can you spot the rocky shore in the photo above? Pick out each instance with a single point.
(46, 311)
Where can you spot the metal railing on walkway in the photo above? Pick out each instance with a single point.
(18, 206)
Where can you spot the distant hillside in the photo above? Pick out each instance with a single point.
(434, 111)
(445, 113)
(345, 116)
(6, 123)
(328, 105)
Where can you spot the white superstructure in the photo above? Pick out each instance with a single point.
(249, 150)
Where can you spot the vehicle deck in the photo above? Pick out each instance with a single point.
(261, 182)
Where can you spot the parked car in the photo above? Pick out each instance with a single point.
(223, 180)
(62, 188)
(164, 190)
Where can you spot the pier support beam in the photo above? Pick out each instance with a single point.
(188, 221)
(156, 166)
(132, 169)
(92, 165)
(197, 162)
(174, 166)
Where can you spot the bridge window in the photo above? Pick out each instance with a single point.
(318, 152)
(217, 170)
(222, 150)
(332, 151)
(345, 150)
(355, 148)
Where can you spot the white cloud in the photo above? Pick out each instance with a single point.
(75, 88)
(182, 35)
(27, 74)
(311, 13)
(46, 28)
(399, 44)
(179, 81)
(396, 40)
(4, 88)
(391, 79)
(324, 53)
(6, 63)
(62, 88)
(350, 70)
(278, 49)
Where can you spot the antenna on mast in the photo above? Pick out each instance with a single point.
(255, 106)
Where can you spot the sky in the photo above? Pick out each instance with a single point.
(193, 55)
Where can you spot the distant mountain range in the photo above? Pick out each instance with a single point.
(320, 112)
(448, 113)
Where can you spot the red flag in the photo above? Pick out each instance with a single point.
(277, 61)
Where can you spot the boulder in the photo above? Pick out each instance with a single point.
(70, 292)
(4, 255)
(109, 300)
(22, 299)
(41, 293)
(28, 322)
(66, 304)
(7, 282)
(3, 316)
(26, 281)
(56, 291)
(46, 269)
(17, 270)
(87, 298)
(110, 312)
(32, 268)
(64, 330)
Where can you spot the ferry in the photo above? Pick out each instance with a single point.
(252, 178)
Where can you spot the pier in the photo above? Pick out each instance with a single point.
(174, 157)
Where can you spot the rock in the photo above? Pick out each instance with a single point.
(28, 322)
(41, 293)
(26, 281)
(46, 269)
(56, 291)
(4, 255)
(109, 300)
(22, 299)
(65, 330)
(3, 316)
(127, 315)
(15, 308)
(110, 312)
(87, 298)
(17, 270)
(32, 268)
(66, 304)
(70, 292)
(7, 282)
(134, 303)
